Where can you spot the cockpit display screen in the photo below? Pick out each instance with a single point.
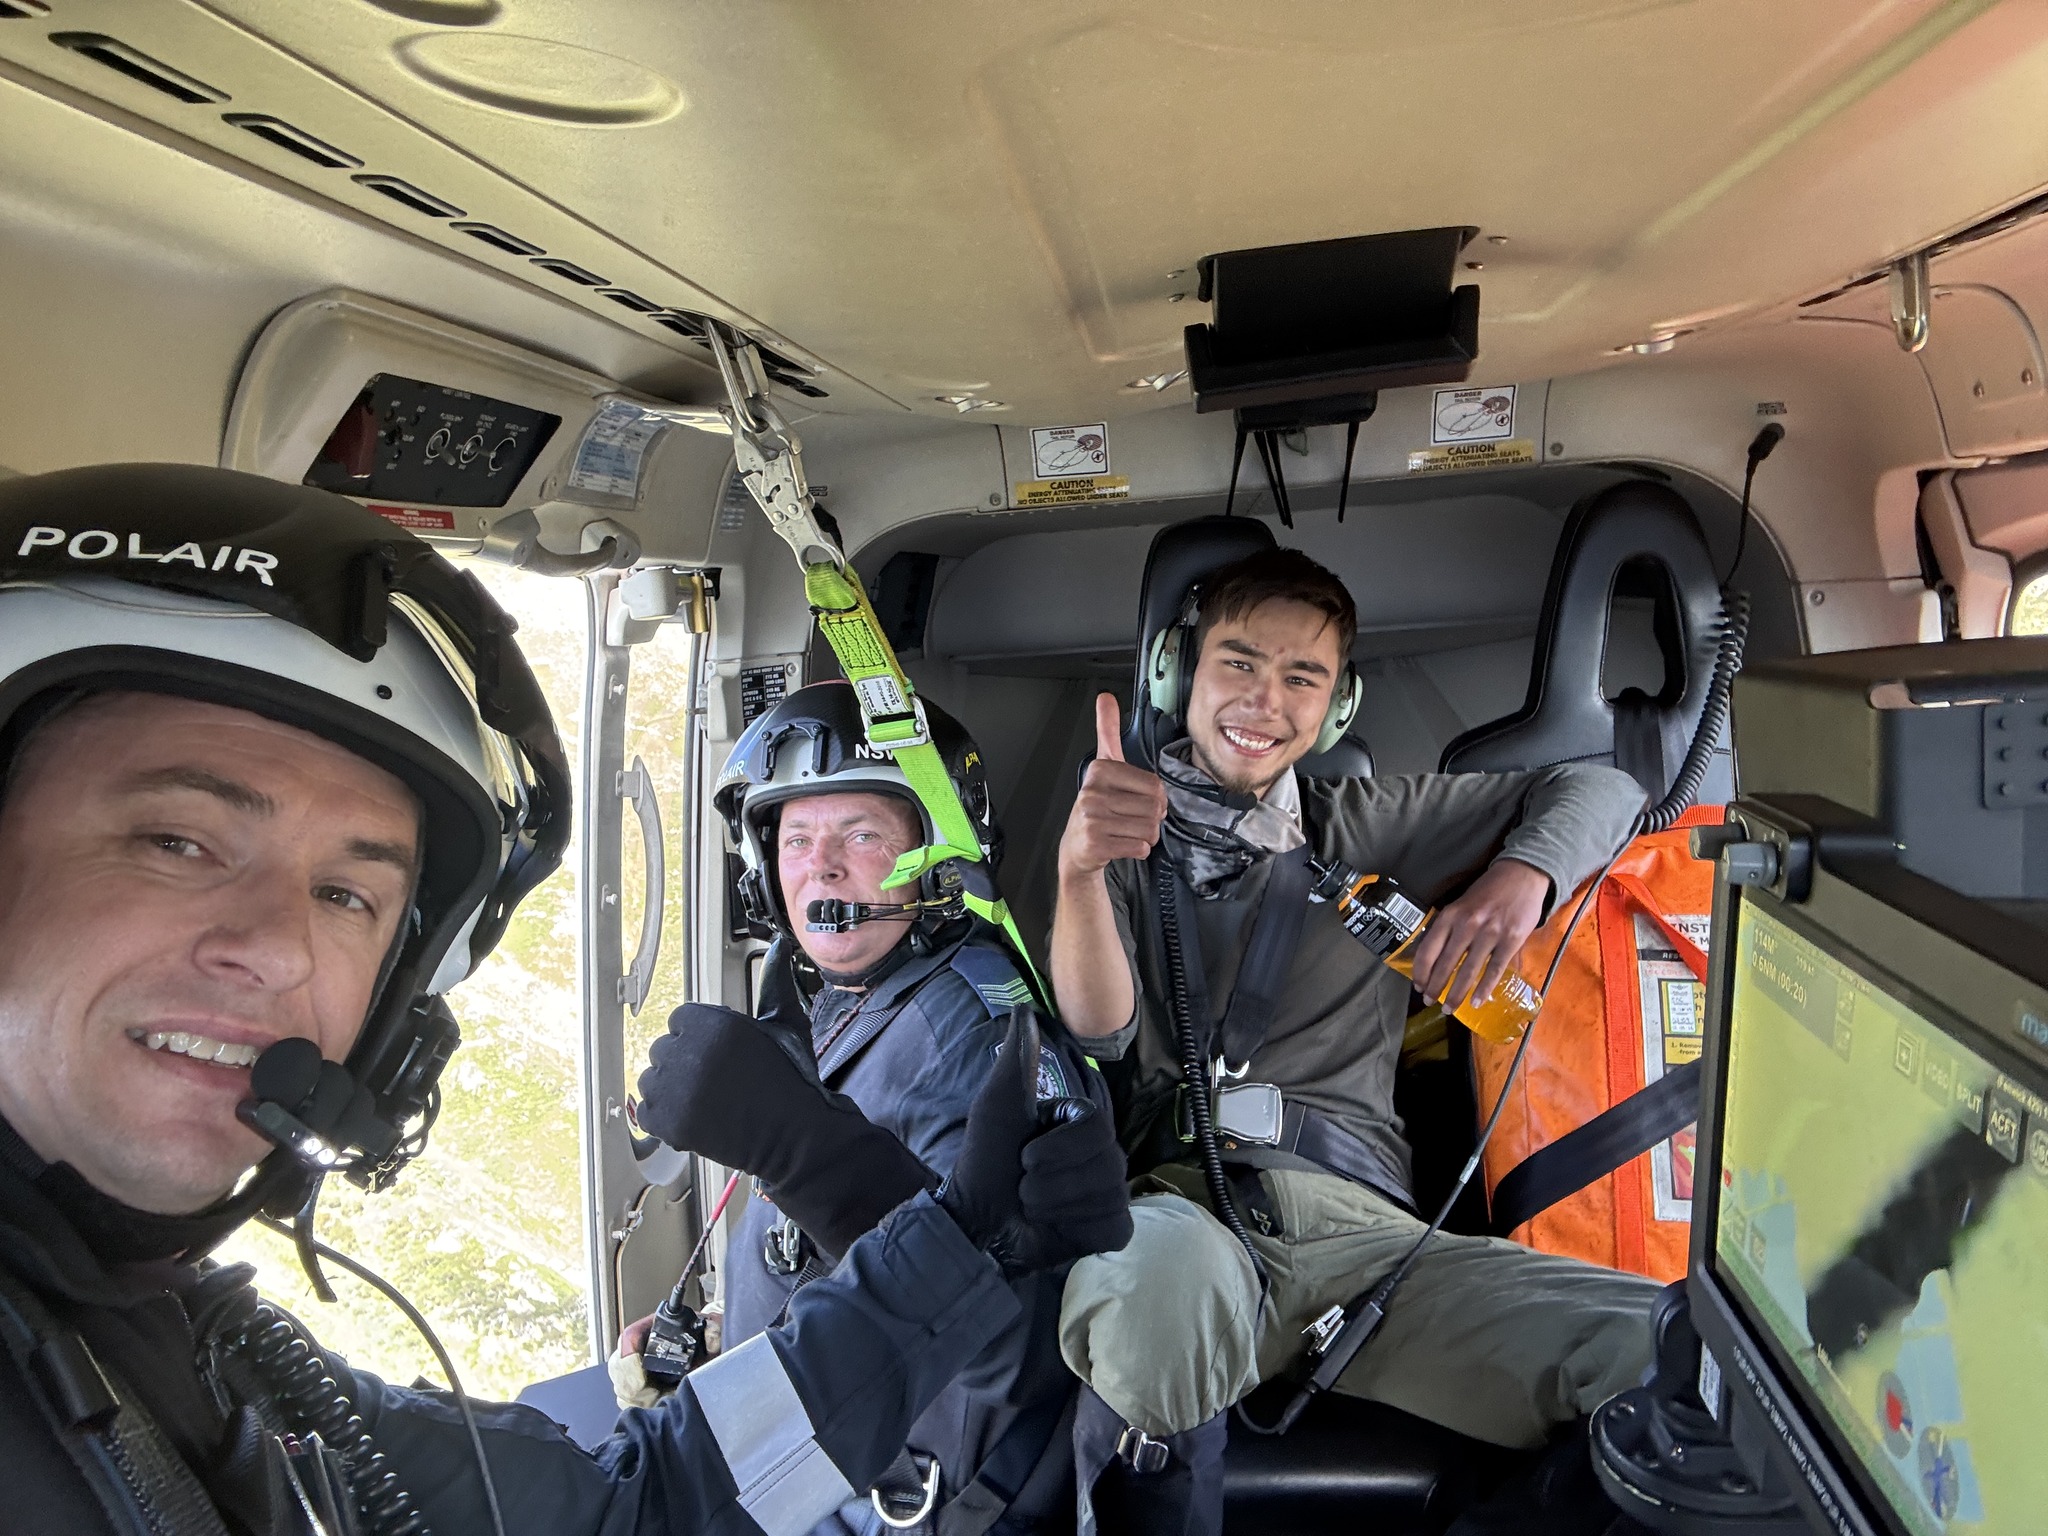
(1883, 1219)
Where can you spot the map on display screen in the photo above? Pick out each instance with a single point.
(1883, 1201)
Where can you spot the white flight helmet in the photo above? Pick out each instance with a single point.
(301, 606)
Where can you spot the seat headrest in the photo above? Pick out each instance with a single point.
(1182, 554)
(1643, 538)
(1350, 758)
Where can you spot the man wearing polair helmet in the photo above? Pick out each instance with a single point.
(276, 776)
(895, 998)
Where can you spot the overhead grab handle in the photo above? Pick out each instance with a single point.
(515, 540)
(636, 785)
(1912, 301)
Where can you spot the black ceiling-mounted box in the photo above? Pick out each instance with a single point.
(1332, 322)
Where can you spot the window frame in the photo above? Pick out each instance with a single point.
(2025, 572)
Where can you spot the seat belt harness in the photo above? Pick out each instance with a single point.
(769, 457)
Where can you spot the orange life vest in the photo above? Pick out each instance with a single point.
(1628, 1002)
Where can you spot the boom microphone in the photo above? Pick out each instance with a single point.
(835, 916)
(312, 1107)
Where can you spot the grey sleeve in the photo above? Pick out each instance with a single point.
(1434, 832)
(1574, 817)
(1119, 876)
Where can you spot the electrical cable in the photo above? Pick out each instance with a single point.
(311, 1403)
(1194, 1071)
(718, 1210)
(392, 1294)
(1692, 770)
(1383, 1293)
(1760, 448)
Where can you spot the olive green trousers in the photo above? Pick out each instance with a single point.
(1484, 1336)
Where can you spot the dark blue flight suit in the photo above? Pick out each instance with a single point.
(765, 1440)
(912, 1052)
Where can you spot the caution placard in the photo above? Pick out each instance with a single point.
(418, 519)
(1430, 461)
(1047, 493)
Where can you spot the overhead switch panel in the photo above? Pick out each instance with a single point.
(424, 444)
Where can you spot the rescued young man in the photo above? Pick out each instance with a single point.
(252, 826)
(1485, 1337)
(897, 999)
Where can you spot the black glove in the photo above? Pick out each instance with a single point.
(1036, 1184)
(720, 1085)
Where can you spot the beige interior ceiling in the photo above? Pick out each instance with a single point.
(1004, 202)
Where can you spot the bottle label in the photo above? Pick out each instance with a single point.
(1382, 920)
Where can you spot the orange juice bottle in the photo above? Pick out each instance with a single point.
(1381, 916)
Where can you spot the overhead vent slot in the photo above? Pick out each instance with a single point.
(21, 10)
(626, 298)
(491, 235)
(790, 375)
(570, 270)
(797, 382)
(137, 65)
(276, 130)
(405, 192)
(683, 323)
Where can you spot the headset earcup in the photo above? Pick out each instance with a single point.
(1162, 672)
(1344, 701)
(755, 906)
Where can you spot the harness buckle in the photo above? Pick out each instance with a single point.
(1250, 1114)
(886, 1504)
(920, 733)
(1142, 1453)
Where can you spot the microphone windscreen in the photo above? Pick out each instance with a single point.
(287, 1073)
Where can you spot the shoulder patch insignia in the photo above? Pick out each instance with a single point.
(993, 976)
(1052, 1077)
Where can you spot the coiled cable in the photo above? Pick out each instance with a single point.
(1193, 1069)
(312, 1402)
(1692, 771)
(287, 1362)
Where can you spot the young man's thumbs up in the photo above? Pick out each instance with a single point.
(1116, 816)
(1118, 812)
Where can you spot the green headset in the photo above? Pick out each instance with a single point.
(1168, 681)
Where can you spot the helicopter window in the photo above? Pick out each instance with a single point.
(486, 1232)
(2030, 604)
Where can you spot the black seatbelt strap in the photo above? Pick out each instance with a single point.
(139, 1479)
(1262, 973)
(1608, 1141)
(1639, 741)
(1007, 1468)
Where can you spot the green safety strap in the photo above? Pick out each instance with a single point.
(895, 722)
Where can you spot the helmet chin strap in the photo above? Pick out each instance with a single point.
(863, 980)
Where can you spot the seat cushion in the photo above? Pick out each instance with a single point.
(1353, 1467)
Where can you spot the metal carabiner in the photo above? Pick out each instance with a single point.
(767, 451)
(924, 1508)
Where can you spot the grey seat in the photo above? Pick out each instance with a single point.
(1634, 539)
(1350, 758)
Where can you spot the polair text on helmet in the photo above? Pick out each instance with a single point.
(95, 544)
